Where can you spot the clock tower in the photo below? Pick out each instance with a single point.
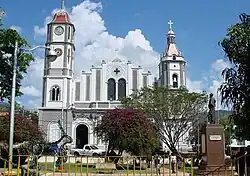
(58, 74)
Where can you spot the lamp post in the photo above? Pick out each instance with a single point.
(198, 145)
(51, 56)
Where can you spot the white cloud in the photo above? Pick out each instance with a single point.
(41, 31)
(220, 65)
(94, 43)
(35, 73)
(30, 90)
(211, 81)
(17, 28)
(34, 103)
(195, 86)
(216, 79)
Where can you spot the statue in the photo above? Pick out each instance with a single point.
(211, 112)
(56, 148)
(37, 149)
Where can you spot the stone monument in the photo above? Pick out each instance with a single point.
(212, 141)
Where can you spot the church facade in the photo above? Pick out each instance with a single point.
(80, 102)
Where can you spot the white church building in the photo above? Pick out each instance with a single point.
(80, 102)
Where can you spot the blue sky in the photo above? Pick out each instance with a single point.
(199, 25)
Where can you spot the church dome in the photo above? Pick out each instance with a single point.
(61, 17)
(171, 32)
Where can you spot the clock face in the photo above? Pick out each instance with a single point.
(59, 30)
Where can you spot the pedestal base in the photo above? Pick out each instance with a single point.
(214, 171)
(213, 145)
(213, 151)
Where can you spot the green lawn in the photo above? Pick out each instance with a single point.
(77, 168)
(73, 168)
(188, 169)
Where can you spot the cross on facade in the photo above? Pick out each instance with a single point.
(170, 24)
(116, 71)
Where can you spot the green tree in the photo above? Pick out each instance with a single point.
(195, 132)
(172, 111)
(25, 129)
(127, 130)
(235, 90)
(7, 42)
(228, 126)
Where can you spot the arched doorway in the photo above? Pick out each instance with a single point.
(82, 135)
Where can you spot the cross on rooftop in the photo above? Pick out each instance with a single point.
(116, 71)
(170, 24)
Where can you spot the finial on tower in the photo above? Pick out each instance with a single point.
(170, 25)
(62, 5)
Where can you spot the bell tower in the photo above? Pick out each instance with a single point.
(58, 74)
(172, 71)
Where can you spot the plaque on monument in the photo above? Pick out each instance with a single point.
(215, 137)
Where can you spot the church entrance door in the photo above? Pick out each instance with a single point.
(82, 135)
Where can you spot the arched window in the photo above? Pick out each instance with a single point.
(54, 132)
(121, 88)
(55, 93)
(111, 89)
(175, 80)
(174, 57)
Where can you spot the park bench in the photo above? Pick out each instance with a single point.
(105, 167)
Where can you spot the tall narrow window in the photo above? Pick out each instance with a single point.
(69, 54)
(121, 88)
(69, 33)
(55, 93)
(49, 33)
(175, 80)
(174, 57)
(111, 89)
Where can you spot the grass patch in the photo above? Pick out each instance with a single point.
(74, 168)
(78, 168)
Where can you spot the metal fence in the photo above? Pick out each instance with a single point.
(234, 166)
(90, 166)
(118, 166)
